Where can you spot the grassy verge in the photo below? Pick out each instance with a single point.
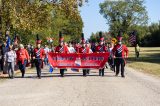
(149, 60)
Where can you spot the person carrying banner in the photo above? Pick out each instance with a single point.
(61, 48)
(84, 49)
(120, 52)
(101, 48)
(93, 46)
(76, 46)
(90, 51)
(38, 56)
(71, 48)
(22, 58)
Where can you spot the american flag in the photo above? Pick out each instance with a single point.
(132, 39)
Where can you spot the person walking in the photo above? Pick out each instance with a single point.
(101, 48)
(120, 52)
(22, 58)
(61, 48)
(10, 60)
(84, 49)
(137, 50)
(38, 56)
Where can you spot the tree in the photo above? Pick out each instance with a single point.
(95, 37)
(43, 17)
(124, 15)
(152, 37)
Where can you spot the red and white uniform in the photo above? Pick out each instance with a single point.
(76, 49)
(39, 51)
(61, 49)
(84, 50)
(120, 51)
(101, 48)
(22, 55)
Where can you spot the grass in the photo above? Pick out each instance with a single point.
(148, 62)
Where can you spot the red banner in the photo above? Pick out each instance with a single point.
(74, 60)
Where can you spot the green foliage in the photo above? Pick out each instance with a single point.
(152, 37)
(124, 15)
(95, 37)
(43, 17)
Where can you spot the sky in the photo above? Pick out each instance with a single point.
(94, 21)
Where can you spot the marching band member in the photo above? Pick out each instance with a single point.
(84, 49)
(101, 48)
(61, 48)
(93, 46)
(76, 46)
(120, 52)
(38, 56)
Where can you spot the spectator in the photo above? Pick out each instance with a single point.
(10, 59)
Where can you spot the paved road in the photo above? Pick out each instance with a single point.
(137, 89)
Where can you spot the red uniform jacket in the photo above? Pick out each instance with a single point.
(84, 50)
(120, 50)
(61, 49)
(42, 53)
(77, 49)
(101, 48)
(22, 54)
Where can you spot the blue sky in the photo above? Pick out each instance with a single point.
(94, 21)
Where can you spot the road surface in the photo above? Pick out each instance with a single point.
(137, 89)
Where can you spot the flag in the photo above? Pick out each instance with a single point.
(75, 70)
(51, 69)
(8, 41)
(132, 38)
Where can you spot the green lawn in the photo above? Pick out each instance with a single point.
(148, 62)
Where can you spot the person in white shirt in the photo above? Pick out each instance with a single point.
(10, 60)
(47, 50)
(89, 45)
(71, 48)
(111, 59)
